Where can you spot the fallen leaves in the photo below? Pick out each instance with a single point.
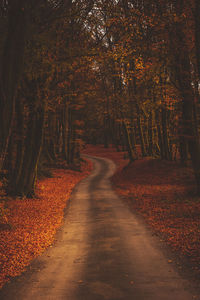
(170, 261)
(35, 221)
(163, 193)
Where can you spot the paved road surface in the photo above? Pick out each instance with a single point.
(102, 252)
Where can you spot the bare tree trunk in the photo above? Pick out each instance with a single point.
(140, 131)
(197, 33)
(150, 134)
(24, 186)
(182, 72)
(130, 150)
(165, 137)
(11, 67)
(159, 132)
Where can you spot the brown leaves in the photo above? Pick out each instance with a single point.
(35, 221)
(162, 192)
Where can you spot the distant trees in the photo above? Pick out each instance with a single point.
(149, 63)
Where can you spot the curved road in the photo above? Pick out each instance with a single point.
(102, 252)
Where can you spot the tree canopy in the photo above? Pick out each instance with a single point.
(113, 72)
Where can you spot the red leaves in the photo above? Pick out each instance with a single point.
(35, 222)
(162, 192)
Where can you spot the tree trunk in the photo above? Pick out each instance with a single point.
(150, 134)
(11, 67)
(64, 130)
(197, 33)
(130, 150)
(106, 132)
(33, 143)
(19, 146)
(29, 189)
(165, 138)
(69, 135)
(183, 150)
(140, 131)
(183, 76)
(159, 132)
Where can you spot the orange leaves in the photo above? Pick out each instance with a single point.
(161, 192)
(35, 221)
(3, 213)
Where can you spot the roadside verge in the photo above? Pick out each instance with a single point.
(35, 221)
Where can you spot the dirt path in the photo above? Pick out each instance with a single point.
(102, 252)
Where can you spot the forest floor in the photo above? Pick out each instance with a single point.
(103, 251)
(34, 222)
(163, 193)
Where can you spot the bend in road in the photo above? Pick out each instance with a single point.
(103, 251)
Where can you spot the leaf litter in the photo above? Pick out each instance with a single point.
(163, 192)
(35, 221)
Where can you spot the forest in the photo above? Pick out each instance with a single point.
(120, 73)
(112, 72)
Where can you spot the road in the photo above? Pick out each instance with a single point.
(103, 251)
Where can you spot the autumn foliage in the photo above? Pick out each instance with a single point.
(34, 221)
(163, 193)
(123, 73)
